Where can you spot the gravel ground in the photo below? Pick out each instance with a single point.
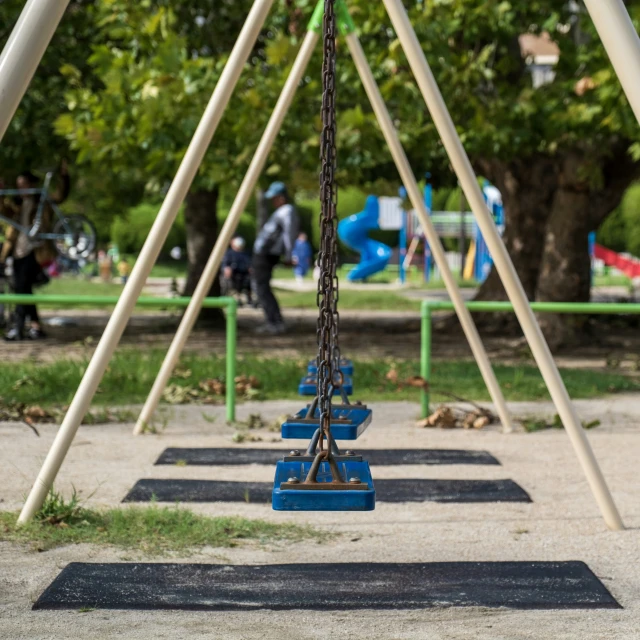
(562, 523)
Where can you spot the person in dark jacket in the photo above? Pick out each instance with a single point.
(29, 259)
(236, 269)
(274, 242)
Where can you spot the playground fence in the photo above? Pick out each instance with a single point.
(429, 306)
(227, 303)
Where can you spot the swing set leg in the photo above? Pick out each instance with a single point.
(159, 231)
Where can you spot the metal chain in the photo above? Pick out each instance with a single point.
(327, 296)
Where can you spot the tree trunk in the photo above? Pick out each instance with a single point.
(527, 189)
(565, 265)
(577, 210)
(552, 203)
(202, 231)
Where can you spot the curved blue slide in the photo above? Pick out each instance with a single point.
(353, 231)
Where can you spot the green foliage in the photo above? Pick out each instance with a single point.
(31, 142)
(350, 200)
(455, 200)
(57, 509)
(130, 231)
(123, 85)
(151, 530)
(621, 230)
(531, 425)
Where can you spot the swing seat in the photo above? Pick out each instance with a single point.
(346, 366)
(309, 386)
(348, 422)
(356, 493)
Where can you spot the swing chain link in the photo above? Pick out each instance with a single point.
(328, 361)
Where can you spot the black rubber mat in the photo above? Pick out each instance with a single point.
(375, 457)
(401, 490)
(518, 585)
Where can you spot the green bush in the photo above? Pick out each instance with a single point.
(439, 199)
(350, 200)
(453, 201)
(130, 231)
(621, 230)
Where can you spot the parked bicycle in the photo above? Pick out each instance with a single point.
(73, 236)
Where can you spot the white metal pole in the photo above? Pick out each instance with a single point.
(513, 286)
(24, 50)
(408, 178)
(16, 29)
(622, 44)
(229, 227)
(167, 214)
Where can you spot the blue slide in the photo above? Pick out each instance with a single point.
(353, 231)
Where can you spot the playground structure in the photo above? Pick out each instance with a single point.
(627, 265)
(22, 54)
(389, 214)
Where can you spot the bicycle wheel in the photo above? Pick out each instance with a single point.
(75, 237)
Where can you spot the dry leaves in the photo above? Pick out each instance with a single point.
(583, 85)
(445, 417)
(176, 394)
(417, 382)
(210, 390)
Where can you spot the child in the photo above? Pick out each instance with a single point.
(124, 270)
(301, 257)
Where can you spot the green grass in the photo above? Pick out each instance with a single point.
(152, 530)
(131, 374)
(172, 269)
(69, 285)
(531, 425)
(389, 275)
(353, 300)
(611, 280)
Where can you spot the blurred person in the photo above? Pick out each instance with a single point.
(274, 242)
(29, 259)
(301, 257)
(236, 269)
(124, 270)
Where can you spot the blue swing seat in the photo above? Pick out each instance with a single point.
(309, 386)
(295, 498)
(346, 366)
(348, 422)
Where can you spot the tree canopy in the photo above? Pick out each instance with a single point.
(156, 63)
(126, 83)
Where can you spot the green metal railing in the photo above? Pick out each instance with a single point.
(428, 307)
(229, 304)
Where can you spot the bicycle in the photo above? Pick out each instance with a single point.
(73, 236)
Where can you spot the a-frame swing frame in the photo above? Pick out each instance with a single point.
(347, 28)
(22, 54)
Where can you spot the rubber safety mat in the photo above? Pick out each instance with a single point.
(518, 585)
(394, 490)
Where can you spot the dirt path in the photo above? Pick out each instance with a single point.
(562, 523)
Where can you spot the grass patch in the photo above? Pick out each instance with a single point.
(531, 425)
(131, 374)
(73, 286)
(152, 530)
(169, 269)
(415, 276)
(77, 286)
(350, 299)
